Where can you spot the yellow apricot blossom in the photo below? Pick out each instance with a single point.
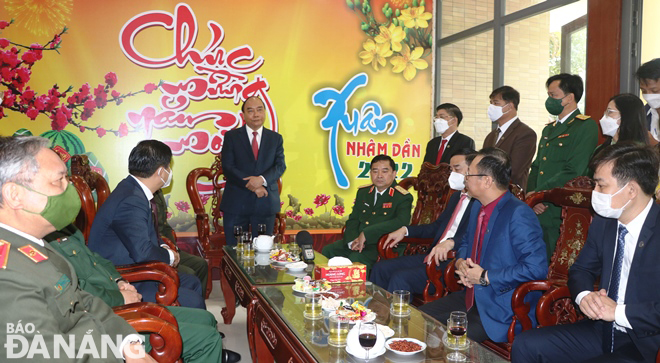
(392, 35)
(415, 17)
(408, 62)
(375, 53)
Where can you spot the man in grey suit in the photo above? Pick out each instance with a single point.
(511, 135)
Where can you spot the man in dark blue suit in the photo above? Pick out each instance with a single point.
(503, 247)
(409, 272)
(253, 162)
(623, 250)
(123, 230)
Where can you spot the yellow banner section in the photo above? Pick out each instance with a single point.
(342, 82)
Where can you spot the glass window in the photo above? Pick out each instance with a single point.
(514, 5)
(459, 15)
(533, 52)
(466, 80)
(650, 31)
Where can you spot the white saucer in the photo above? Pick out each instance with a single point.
(371, 353)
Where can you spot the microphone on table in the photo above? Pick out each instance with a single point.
(306, 242)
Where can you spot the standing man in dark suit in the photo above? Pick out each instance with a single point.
(409, 272)
(503, 247)
(512, 135)
(648, 75)
(123, 230)
(440, 149)
(623, 250)
(253, 162)
(565, 148)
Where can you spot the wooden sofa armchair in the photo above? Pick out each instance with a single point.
(160, 324)
(433, 193)
(212, 242)
(555, 305)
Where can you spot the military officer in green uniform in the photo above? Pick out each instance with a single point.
(380, 208)
(38, 288)
(565, 148)
(188, 263)
(99, 277)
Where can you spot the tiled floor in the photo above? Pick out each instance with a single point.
(236, 333)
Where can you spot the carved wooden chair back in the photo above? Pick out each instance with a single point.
(86, 181)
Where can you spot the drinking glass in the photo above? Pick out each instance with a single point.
(246, 238)
(400, 303)
(238, 234)
(368, 335)
(313, 306)
(261, 229)
(248, 250)
(338, 326)
(457, 329)
(294, 249)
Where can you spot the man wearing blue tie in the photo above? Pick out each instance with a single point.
(253, 162)
(623, 250)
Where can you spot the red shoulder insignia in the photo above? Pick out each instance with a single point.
(33, 254)
(4, 253)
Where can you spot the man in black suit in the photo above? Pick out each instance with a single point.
(623, 250)
(253, 162)
(409, 272)
(440, 149)
(123, 230)
(648, 75)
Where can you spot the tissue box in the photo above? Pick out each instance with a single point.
(341, 274)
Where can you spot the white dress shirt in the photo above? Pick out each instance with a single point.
(454, 226)
(504, 127)
(150, 196)
(446, 138)
(634, 229)
(127, 339)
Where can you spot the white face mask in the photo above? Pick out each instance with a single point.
(609, 125)
(495, 112)
(653, 99)
(602, 204)
(169, 179)
(441, 125)
(456, 181)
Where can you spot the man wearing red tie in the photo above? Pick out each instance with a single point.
(503, 248)
(440, 149)
(252, 162)
(409, 272)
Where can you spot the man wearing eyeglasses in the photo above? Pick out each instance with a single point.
(503, 248)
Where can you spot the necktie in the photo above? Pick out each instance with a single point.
(475, 255)
(154, 214)
(453, 216)
(255, 145)
(499, 135)
(440, 151)
(377, 197)
(613, 291)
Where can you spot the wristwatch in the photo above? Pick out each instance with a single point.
(482, 279)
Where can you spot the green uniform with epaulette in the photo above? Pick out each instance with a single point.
(563, 154)
(38, 286)
(188, 263)
(390, 212)
(98, 276)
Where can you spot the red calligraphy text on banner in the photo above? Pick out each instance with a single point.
(221, 74)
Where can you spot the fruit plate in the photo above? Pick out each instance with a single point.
(303, 291)
(411, 340)
(371, 316)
